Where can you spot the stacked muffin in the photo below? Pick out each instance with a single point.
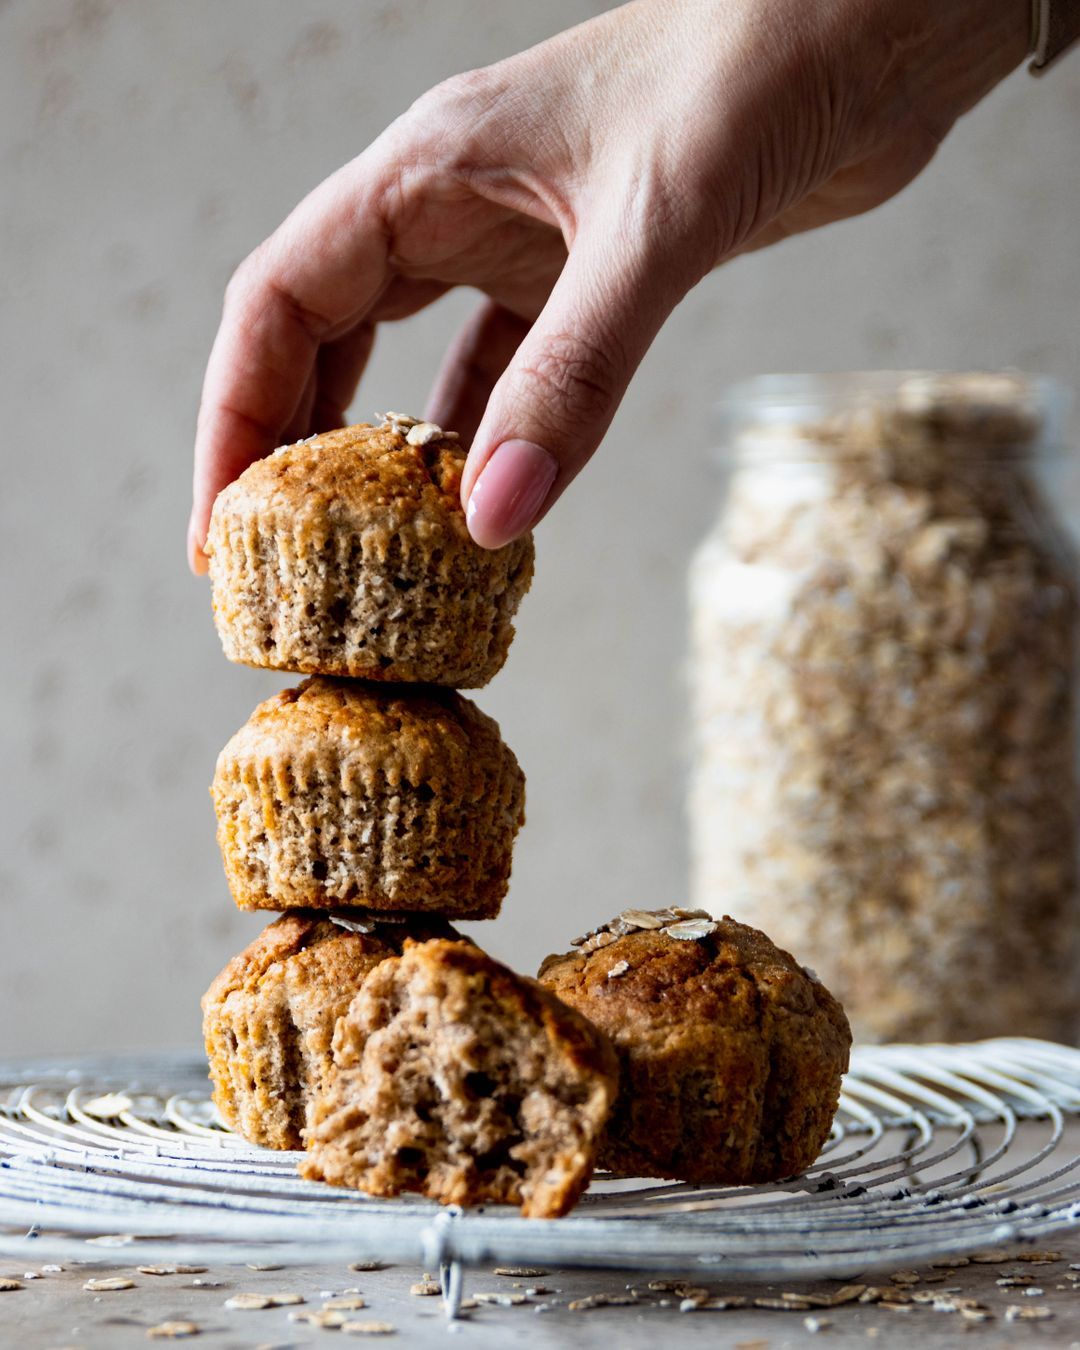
(372, 804)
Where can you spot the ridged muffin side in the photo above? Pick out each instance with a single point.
(348, 554)
(731, 1054)
(390, 798)
(269, 1017)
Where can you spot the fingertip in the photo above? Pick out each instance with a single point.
(510, 493)
(197, 559)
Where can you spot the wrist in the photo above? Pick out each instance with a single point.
(963, 48)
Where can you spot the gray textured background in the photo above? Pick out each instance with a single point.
(144, 149)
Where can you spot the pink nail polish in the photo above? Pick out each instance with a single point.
(509, 494)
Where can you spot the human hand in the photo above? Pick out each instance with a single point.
(583, 186)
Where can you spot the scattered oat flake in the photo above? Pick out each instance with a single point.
(327, 1320)
(171, 1270)
(111, 1285)
(816, 1324)
(7, 1286)
(784, 1303)
(51, 1270)
(619, 968)
(172, 1331)
(108, 1106)
(721, 1303)
(259, 1265)
(249, 1302)
(368, 1328)
(520, 1272)
(367, 1265)
(1039, 1258)
(993, 1258)
(503, 1300)
(602, 1301)
(425, 1289)
(905, 1277)
(847, 1293)
(111, 1240)
(1016, 1312)
(344, 1303)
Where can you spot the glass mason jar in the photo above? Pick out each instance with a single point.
(884, 671)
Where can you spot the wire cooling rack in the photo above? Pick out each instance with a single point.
(936, 1150)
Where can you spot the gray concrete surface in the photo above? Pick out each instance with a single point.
(56, 1311)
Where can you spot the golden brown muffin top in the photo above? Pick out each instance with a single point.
(344, 941)
(401, 471)
(416, 734)
(457, 971)
(656, 968)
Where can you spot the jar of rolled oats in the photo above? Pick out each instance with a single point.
(884, 671)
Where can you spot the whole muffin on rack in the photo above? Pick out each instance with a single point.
(268, 1018)
(457, 1078)
(348, 554)
(386, 797)
(731, 1054)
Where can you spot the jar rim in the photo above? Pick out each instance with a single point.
(767, 409)
(845, 388)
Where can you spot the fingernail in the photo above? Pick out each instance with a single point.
(509, 494)
(197, 559)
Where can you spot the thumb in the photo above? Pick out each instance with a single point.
(552, 405)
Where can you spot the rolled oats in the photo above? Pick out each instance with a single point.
(423, 433)
(885, 660)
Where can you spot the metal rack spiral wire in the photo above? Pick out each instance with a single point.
(936, 1150)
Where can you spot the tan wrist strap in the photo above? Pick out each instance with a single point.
(1055, 27)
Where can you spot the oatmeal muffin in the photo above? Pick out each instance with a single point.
(348, 554)
(730, 1053)
(391, 798)
(463, 1081)
(268, 1018)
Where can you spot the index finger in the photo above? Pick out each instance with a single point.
(315, 278)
